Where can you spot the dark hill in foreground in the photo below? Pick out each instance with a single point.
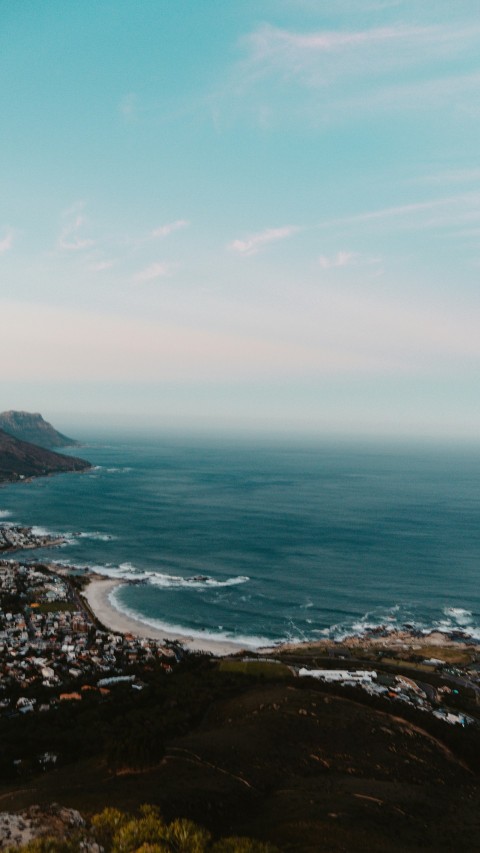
(28, 426)
(20, 459)
(287, 763)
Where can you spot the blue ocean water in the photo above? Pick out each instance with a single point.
(268, 542)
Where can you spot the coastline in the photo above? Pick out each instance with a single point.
(397, 640)
(19, 538)
(53, 543)
(98, 596)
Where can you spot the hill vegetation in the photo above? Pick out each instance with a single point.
(114, 831)
(287, 761)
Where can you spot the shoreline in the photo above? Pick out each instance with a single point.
(399, 639)
(97, 594)
(17, 537)
(13, 549)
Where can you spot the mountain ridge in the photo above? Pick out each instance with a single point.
(20, 460)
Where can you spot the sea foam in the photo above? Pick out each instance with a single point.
(128, 572)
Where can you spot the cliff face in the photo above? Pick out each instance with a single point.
(28, 426)
(19, 459)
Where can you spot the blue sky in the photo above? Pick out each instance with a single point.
(250, 216)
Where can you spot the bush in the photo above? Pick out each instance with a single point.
(120, 832)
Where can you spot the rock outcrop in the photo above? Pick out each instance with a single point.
(54, 821)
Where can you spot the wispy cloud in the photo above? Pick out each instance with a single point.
(156, 270)
(99, 266)
(448, 210)
(326, 76)
(170, 227)
(159, 233)
(316, 58)
(71, 238)
(457, 91)
(341, 259)
(340, 7)
(6, 242)
(450, 176)
(251, 245)
(347, 259)
(270, 41)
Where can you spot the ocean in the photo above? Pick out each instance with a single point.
(269, 542)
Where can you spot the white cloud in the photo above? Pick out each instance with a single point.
(452, 176)
(170, 227)
(6, 242)
(458, 90)
(251, 245)
(156, 270)
(316, 58)
(341, 259)
(269, 41)
(71, 239)
(446, 211)
(326, 76)
(99, 266)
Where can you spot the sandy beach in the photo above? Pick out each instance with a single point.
(99, 591)
(98, 594)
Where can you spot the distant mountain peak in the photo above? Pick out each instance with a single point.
(31, 427)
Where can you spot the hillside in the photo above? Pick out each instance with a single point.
(287, 763)
(20, 459)
(28, 426)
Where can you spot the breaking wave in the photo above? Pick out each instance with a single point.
(68, 537)
(195, 582)
(95, 535)
(459, 615)
(128, 572)
(45, 531)
(455, 621)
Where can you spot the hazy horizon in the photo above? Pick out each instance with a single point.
(255, 218)
(88, 430)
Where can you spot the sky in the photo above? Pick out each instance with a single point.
(242, 215)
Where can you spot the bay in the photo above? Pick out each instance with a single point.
(268, 541)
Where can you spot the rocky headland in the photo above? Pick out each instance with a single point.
(15, 538)
(21, 460)
(31, 427)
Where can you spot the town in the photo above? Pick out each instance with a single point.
(54, 650)
(90, 717)
(52, 646)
